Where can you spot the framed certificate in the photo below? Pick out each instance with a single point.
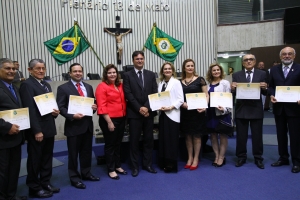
(158, 100)
(82, 105)
(289, 94)
(248, 91)
(196, 100)
(19, 117)
(223, 99)
(46, 103)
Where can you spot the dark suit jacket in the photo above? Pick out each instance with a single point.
(45, 124)
(292, 79)
(73, 127)
(8, 102)
(248, 108)
(136, 94)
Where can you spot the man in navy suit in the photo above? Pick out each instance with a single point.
(138, 84)
(249, 111)
(11, 137)
(78, 127)
(287, 115)
(41, 134)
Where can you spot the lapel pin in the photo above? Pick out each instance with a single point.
(292, 70)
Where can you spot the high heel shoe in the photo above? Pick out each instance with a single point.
(223, 163)
(123, 172)
(187, 166)
(213, 164)
(114, 178)
(193, 168)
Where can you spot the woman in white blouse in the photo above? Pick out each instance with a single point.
(169, 119)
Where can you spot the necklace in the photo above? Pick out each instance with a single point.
(188, 82)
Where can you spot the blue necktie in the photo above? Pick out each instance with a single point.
(44, 86)
(140, 77)
(285, 71)
(11, 89)
(249, 77)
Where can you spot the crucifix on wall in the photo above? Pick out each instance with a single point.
(118, 33)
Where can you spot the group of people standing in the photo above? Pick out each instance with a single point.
(119, 103)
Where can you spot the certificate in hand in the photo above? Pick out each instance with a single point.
(19, 117)
(248, 91)
(82, 105)
(287, 93)
(158, 100)
(196, 100)
(223, 99)
(46, 103)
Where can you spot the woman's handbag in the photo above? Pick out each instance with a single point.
(225, 125)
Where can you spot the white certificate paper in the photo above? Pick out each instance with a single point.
(46, 103)
(82, 105)
(248, 91)
(158, 100)
(223, 99)
(196, 100)
(287, 93)
(19, 117)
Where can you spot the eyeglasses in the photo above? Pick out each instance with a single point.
(287, 54)
(248, 59)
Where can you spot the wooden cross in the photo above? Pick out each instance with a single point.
(118, 33)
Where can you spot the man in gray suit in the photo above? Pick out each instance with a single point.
(19, 78)
(249, 111)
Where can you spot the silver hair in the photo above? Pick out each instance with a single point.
(288, 47)
(247, 55)
(35, 61)
(5, 60)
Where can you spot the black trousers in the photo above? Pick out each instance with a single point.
(285, 124)
(136, 128)
(256, 126)
(113, 140)
(80, 146)
(10, 161)
(39, 162)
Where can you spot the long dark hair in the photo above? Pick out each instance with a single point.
(105, 71)
(183, 68)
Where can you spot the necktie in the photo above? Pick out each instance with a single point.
(44, 86)
(140, 77)
(285, 71)
(248, 76)
(165, 85)
(79, 90)
(11, 89)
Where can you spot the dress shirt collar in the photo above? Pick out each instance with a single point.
(289, 66)
(137, 71)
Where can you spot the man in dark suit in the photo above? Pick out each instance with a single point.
(11, 137)
(40, 136)
(19, 78)
(249, 111)
(78, 128)
(287, 115)
(138, 84)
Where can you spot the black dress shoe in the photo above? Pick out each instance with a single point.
(280, 163)
(150, 170)
(259, 164)
(296, 169)
(50, 188)
(40, 194)
(20, 198)
(123, 172)
(240, 163)
(78, 185)
(114, 178)
(91, 178)
(135, 172)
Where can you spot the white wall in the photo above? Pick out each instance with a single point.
(245, 36)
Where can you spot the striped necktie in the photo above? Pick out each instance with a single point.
(285, 71)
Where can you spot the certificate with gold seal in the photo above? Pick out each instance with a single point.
(19, 117)
(248, 91)
(196, 101)
(223, 99)
(158, 100)
(288, 94)
(82, 105)
(46, 103)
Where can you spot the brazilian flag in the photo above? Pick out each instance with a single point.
(163, 45)
(67, 46)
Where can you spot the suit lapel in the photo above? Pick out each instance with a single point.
(88, 91)
(293, 68)
(6, 90)
(73, 90)
(255, 78)
(38, 84)
(243, 76)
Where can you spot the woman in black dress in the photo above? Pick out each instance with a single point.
(192, 122)
(169, 119)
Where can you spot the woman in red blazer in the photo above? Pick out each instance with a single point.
(112, 111)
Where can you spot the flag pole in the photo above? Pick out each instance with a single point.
(76, 24)
(154, 25)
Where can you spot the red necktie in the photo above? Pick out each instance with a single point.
(79, 90)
